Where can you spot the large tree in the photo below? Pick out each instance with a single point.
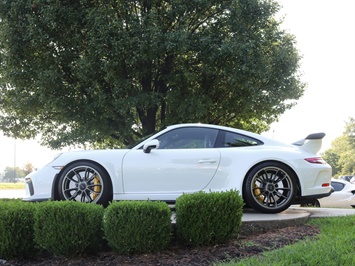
(89, 70)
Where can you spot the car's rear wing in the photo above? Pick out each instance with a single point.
(312, 143)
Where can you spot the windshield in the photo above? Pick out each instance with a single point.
(130, 146)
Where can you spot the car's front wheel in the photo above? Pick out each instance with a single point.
(270, 187)
(85, 182)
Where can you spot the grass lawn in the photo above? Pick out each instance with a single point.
(12, 186)
(335, 245)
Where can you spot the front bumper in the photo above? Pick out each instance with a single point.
(39, 184)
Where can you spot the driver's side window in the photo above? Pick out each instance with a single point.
(188, 138)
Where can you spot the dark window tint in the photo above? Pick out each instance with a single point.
(231, 139)
(337, 186)
(188, 138)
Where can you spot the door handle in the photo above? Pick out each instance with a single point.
(207, 161)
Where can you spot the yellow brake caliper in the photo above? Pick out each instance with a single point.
(97, 187)
(257, 193)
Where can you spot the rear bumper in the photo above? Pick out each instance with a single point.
(310, 198)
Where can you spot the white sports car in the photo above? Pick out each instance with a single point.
(342, 197)
(188, 158)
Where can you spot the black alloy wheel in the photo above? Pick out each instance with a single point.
(85, 182)
(269, 187)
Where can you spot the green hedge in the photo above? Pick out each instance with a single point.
(207, 218)
(137, 226)
(71, 228)
(68, 227)
(16, 229)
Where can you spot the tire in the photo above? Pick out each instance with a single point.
(269, 187)
(313, 203)
(85, 182)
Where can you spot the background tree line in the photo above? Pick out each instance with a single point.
(341, 154)
(13, 174)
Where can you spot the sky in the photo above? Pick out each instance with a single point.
(325, 35)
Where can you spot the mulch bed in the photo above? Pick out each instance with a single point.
(244, 245)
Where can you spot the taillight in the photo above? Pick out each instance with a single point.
(317, 160)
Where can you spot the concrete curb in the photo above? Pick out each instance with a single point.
(253, 221)
(256, 221)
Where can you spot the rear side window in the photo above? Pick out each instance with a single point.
(337, 186)
(230, 139)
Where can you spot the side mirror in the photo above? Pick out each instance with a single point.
(153, 144)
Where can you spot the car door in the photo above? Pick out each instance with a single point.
(185, 161)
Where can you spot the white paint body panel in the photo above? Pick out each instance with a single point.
(169, 171)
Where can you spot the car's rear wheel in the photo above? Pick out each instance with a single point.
(85, 182)
(312, 203)
(270, 187)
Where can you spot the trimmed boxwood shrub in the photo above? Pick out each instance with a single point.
(10, 199)
(137, 226)
(208, 218)
(69, 227)
(16, 229)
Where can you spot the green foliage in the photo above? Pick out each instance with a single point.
(207, 218)
(28, 168)
(11, 174)
(16, 229)
(84, 71)
(11, 199)
(341, 153)
(137, 227)
(350, 131)
(68, 227)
